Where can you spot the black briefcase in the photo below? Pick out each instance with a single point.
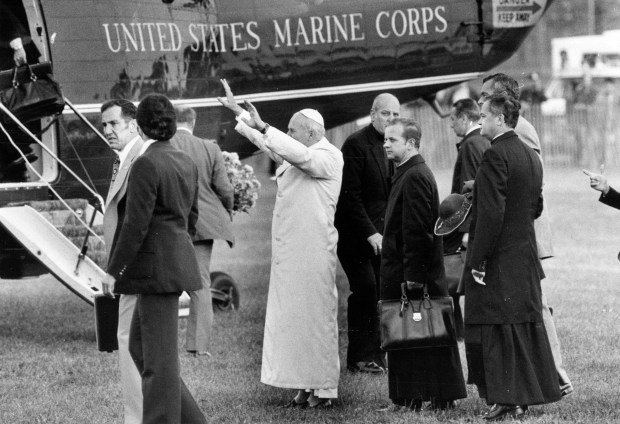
(106, 322)
(30, 92)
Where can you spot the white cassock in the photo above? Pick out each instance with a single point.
(300, 346)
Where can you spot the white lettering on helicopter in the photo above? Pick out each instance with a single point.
(287, 32)
(413, 21)
(321, 30)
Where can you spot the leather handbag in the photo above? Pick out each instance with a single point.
(409, 323)
(453, 264)
(32, 93)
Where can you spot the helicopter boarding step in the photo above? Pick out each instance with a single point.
(59, 255)
(55, 251)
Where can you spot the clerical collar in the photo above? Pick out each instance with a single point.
(406, 160)
(501, 134)
(472, 129)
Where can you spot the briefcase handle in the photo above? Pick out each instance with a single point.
(33, 77)
(404, 299)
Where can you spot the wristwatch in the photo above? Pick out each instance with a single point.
(264, 129)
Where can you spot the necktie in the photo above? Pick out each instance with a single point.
(115, 166)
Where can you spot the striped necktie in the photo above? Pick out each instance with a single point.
(115, 166)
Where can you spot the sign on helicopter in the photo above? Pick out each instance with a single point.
(331, 55)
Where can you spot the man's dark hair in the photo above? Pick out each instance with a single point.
(507, 106)
(504, 84)
(411, 129)
(467, 107)
(156, 117)
(128, 109)
(185, 114)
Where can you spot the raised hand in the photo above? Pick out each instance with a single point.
(229, 102)
(255, 122)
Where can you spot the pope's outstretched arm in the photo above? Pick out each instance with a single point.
(248, 124)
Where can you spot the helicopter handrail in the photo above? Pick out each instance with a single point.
(47, 149)
(86, 121)
(97, 196)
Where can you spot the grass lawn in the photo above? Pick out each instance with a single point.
(51, 372)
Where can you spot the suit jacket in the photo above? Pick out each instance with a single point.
(13, 24)
(411, 251)
(468, 160)
(507, 200)
(527, 133)
(215, 192)
(154, 251)
(360, 212)
(542, 226)
(470, 152)
(612, 198)
(116, 201)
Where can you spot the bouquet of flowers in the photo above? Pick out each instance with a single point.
(244, 182)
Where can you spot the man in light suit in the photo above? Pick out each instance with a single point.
(215, 202)
(153, 257)
(118, 118)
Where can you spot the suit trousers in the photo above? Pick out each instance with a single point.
(153, 347)
(131, 381)
(363, 321)
(554, 342)
(200, 320)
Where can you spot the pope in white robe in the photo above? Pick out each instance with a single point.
(300, 346)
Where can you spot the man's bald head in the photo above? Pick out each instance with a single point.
(385, 107)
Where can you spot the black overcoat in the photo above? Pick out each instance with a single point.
(507, 199)
(468, 159)
(365, 187)
(411, 250)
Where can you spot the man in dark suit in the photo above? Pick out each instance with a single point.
(464, 121)
(118, 118)
(508, 354)
(16, 48)
(504, 84)
(215, 203)
(154, 258)
(359, 220)
(16, 45)
(413, 253)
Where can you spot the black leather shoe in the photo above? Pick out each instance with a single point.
(441, 405)
(566, 390)
(366, 367)
(501, 412)
(414, 405)
(293, 404)
(390, 408)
